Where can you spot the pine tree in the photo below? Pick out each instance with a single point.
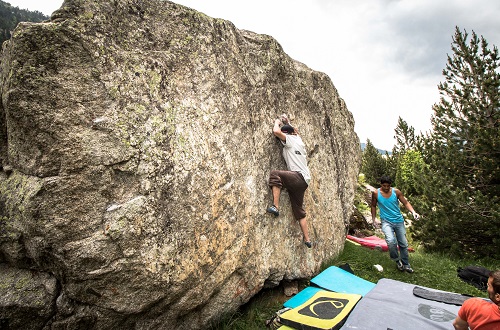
(10, 16)
(405, 137)
(408, 173)
(405, 141)
(373, 164)
(462, 180)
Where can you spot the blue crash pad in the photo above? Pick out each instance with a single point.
(338, 280)
(301, 297)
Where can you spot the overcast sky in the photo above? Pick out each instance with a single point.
(385, 57)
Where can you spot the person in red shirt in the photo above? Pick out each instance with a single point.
(479, 314)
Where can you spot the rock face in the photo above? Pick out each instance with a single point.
(136, 145)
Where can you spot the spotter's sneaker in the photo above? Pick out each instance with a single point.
(408, 269)
(400, 266)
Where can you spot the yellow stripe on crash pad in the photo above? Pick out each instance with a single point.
(324, 310)
(353, 242)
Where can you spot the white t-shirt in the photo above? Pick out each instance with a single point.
(294, 152)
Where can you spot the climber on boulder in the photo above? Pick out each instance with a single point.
(296, 179)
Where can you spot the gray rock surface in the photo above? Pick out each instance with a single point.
(135, 145)
(27, 298)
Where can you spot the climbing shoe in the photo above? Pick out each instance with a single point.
(273, 210)
(308, 244)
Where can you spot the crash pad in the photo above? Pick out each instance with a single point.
(445, 297)
(301, 297)
(373, 242)
(352, 242)
(338, 280)
(324, 310)
(392, 305)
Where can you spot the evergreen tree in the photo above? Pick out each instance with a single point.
(405, 140)
(11, 16)
(462, 181)
(410, 166)
(405, 137)
(373, 164)
(391, 165)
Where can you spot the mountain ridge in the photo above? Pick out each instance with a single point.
(381, 151)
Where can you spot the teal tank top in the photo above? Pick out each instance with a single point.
(389, 207)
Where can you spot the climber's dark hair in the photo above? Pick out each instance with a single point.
(288, 129)
(385, 179)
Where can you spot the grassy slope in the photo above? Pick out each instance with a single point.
(436, 271)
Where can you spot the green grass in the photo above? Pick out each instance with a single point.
(253, 315)
(432, 270)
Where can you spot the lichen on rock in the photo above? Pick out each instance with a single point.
(136, 145)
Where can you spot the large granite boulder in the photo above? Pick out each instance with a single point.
(135, 146)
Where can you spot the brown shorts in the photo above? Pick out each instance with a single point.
(296, 186)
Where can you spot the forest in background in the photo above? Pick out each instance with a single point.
(10, 16)
(451, 175)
